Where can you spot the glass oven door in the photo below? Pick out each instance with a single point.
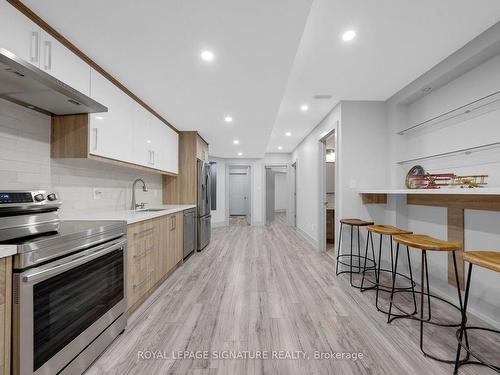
(65, 305)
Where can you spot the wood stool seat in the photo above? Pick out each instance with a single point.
(486, 259)
(388, 230)
(424, 242)
(356, 222)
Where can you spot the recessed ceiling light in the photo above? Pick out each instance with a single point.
(280, 147)
(348, 35)
(426, 89)
(288, 134)
(228, 119)
(304, 107)
(207, 55)
(148, 142)
(236, 142)
(99, 118)
(240, 153)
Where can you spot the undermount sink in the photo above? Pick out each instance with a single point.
(152, 210)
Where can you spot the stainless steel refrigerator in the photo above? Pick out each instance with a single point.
(203, 205)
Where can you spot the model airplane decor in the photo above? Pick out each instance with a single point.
(417, 178)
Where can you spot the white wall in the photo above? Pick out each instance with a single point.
(25, 163)
(481, 227)
(257, 173)
(280, 192)
(362, 155)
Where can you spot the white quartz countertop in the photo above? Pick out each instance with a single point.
(126, 215)
(458, 191)
(7, 250)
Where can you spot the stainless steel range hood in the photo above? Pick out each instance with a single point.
(29, 86)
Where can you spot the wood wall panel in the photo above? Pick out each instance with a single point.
(69, 136)
(456, 234)
(374, 198)
(182, 189)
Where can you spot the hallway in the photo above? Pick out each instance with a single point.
(252, 290)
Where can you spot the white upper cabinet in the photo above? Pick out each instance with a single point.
(61, 63)
(26, 40)
(111, 133)
(18, 34)
(143, 136)
(166, 149)
(155, 144)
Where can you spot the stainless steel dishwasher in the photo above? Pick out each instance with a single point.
(189, 232)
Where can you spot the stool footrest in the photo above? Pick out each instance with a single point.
(479, 360)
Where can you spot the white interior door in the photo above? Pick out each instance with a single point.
(238, 194)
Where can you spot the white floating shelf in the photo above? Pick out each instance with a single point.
(465, 151)
(452, 191)
(483, 105)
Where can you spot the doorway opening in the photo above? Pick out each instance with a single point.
(326, 184)
(276, 200)
(239, 195)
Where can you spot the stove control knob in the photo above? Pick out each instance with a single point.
(39, 197)
(52, 197)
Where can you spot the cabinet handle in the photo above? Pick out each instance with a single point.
(140, 283)
(48, 55)
(34, 47)
(143, 232)
(173, 223)
(94, 133)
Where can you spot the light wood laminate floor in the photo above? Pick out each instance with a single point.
(266, 289)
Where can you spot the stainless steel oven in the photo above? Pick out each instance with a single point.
(69, 294)
(63, 306)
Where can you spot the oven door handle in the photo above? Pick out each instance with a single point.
(39, 275)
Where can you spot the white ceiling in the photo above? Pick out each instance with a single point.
(154, 47)
(397, 41)
(268, 60)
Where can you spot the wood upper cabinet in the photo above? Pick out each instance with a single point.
(18, 34)
(182, 189)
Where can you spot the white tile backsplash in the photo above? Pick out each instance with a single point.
(25, 163)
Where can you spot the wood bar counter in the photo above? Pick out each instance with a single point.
(455, 200)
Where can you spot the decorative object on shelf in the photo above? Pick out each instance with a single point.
(416, 170)
(417, 178)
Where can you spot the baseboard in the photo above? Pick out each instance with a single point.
(308, 238)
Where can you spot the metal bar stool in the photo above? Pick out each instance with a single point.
(425, 243)
(353, 268)
(491, 261)
(387, 230)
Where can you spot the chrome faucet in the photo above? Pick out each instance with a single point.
(134, 205)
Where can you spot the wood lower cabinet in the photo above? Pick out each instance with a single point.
(5, 313)
(154, 251)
